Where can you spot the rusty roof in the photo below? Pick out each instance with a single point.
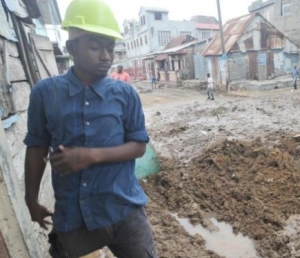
(233, 29)
(178, 41)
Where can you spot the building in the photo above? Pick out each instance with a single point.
(283, 14)
(48, 26)
(153, 31)
(120, 51)
(206, 26)
(255, 50)
(179, 60)
(151, 34)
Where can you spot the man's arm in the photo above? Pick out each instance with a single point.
(34, 169)
(70, 160)
(127, 78)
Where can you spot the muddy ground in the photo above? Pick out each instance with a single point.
(234, 159)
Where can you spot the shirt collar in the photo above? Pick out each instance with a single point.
(76, 86)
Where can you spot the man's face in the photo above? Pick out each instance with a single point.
(93, 54)
(120, 69)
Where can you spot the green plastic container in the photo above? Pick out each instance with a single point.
(148, 164)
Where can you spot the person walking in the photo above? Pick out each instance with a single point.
(91, 128)
(153, 82)
(210, 87)
(295, 75)
(121, 75)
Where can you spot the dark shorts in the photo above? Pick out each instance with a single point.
(129, 238)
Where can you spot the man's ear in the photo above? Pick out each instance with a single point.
(70, 47)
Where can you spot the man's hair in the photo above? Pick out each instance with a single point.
(208, 75)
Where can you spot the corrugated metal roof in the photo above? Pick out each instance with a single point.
(175, 42)
(176, 49)
(178, 41)
(207, 26)
(161, 57)
(233, 29)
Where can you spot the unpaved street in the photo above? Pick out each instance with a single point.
(232, 160)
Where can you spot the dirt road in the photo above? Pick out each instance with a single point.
(232, 160)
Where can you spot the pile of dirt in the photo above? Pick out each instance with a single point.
(254, 186)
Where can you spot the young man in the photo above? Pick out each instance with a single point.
(121, 75)
(95, 128)
(153, 82)
(295, 75)
(210, 87)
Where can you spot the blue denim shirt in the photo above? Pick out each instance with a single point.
(108, 113)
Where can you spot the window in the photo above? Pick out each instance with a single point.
(128, 46)
(126, 30)
(164, 37)
(206, 34)
(185, 33)
(141, 41)
(137, 43)
(158, 16)
(143, 20)
(146, 42)
(286, 9)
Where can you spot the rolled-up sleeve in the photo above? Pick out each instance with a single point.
(135, 129)
(37, 133)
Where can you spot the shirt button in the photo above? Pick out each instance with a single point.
(87, 103)
(87, 123)
(84, 184)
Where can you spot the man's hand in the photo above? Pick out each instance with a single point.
(70, 160)
(39, 214)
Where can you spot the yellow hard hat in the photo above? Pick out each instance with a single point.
(93, 16)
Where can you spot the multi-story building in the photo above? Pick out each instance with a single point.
(152, 33)
(206, 26)
(283, 14)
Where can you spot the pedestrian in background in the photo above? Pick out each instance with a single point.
(210, 87)
(120, 75)
(295, 75)
(153, 82)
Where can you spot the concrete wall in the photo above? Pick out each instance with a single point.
(286, 23)
(200, 34)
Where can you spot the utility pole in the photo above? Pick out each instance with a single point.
(221, 29)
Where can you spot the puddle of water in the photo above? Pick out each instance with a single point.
(223, 242)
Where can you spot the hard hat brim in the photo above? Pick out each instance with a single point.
(95, 29)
